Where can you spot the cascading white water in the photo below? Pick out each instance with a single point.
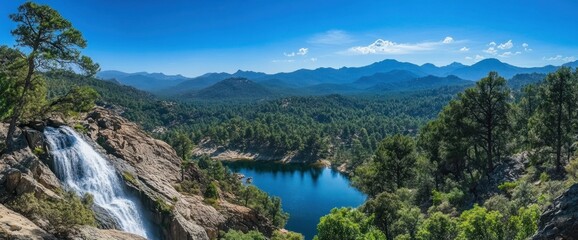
(83, 170)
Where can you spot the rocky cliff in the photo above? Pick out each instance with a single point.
(560, 220)
(149, 166)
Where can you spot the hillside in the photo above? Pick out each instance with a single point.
(388, 77)
(143, 80)
(422, 83)
(232, 88)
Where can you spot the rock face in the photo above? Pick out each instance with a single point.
(16, 226)
(560, 220)
(92, 233)
(152, 168)
(21, 171)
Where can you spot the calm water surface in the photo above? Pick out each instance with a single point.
(307, 192)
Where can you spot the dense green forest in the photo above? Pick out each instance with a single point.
(451, 180)
(335, 127)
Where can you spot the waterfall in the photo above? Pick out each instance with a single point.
(83, 170)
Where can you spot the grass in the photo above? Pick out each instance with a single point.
(127, 176)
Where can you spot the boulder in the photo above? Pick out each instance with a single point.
(560, 219)
(26, 184)
(56, 121)
(13, 177)
(35, 138)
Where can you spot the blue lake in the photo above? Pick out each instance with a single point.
(307, 192)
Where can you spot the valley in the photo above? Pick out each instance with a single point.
(359, 121)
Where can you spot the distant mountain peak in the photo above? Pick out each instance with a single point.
(489, 61)
(455, 64)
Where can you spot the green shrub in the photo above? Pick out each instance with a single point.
(38, 151)
(187, 186)
(507, 186)
(128, 177)
(62, 213)
(278, 235)
(163, 206)
(238, 235)
(80, 128)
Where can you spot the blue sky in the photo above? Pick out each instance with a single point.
(192, 37)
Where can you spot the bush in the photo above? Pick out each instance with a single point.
(163, 206)
(212, 191)
(80, 128)
(38, 151)
(187, 186)
(238, 235)
(62, 213)
(278, 235)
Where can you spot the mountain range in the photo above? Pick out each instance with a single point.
(386, 75)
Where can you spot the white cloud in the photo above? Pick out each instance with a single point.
(509, 54)
(283, 61)
(332, 37)
(301, 52)
(381, 46)
(526, 47)
(479, 57)
(492, 44)
(560, 58)
(468, 58)
(507, 45)
(491, 50)
(464, 49)
(313, 59)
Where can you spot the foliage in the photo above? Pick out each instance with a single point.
(438, 226)
(525, 224)
(162, 206)
(62, 213)
(278, 235)
(78, 99)
(38, 151)
(478, 223)
(391, 168)
(212, 191)
(554, 121)
(127, 176)
(384, 207)
(346, 224)
(238, 235)
(50, 42)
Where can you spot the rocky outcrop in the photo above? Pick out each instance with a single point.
(560, 219)
(16, 226)
(92, 233)
(226, 154)
(21, 171)
(151, 167)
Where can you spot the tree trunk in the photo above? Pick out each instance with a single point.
(559, 137)
(19, 106)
